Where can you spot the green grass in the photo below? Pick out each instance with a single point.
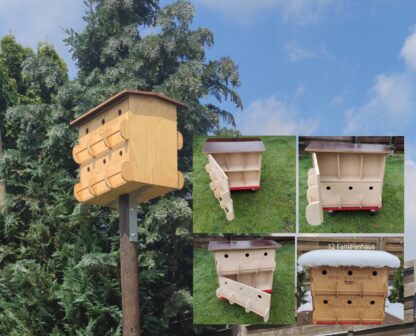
(208, 309)
(270, 209)
(388, 220)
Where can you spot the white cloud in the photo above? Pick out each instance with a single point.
(408, 51)
(410, 214)
(42, 20)
(297, 11)
(390, 107)
(339, 99)
(296, 53)
(272, 117)
(392, 99)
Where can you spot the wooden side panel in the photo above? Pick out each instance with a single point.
(220, 186)
(252, 299)
(155, 154)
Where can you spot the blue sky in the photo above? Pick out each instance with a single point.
(327, 67)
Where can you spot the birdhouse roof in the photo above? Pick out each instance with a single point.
(343, 147)
(242, 245)
(118, 97)
(340, 258)
(233, 145)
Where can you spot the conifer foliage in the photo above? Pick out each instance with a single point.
(59, 259)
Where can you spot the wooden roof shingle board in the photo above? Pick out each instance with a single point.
(342, 147)
(118, 97)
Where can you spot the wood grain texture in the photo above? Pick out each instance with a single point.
(129, 273)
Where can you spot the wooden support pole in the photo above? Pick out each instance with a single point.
(129, 273)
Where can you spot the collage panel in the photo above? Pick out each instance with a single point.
(244, 280)
(351, 184)
(244, 185)
(354, 281)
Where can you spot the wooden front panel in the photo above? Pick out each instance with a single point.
(252, 299)
(348, 309)
(244, 261)
(349, 280)
(314, 213)
(344, 194)
(349, 294)
(220, 186)
(92, 127)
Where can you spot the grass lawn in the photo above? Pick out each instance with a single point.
(270, 209)
(388, 220)
(208, 309)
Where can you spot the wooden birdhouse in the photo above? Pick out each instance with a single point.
(348, 286)
(129, 143)
(245, 273)
(233, 164)
(344, 176)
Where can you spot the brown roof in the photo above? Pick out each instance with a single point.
(242, 245)
(233, 145)
(342, 147)
(119, 96)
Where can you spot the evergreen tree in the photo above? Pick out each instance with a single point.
(301, 289)
(59, 260)
(397, 292)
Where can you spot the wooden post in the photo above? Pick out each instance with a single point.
(129, 273)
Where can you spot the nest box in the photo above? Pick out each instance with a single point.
(344, 176)
(348, 286)
(128, 143)
(233, 164)
(245, 273)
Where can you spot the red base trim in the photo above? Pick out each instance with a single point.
(366, 208)
(269, 291)
(222, 298)
(348, 322)
(245, 188)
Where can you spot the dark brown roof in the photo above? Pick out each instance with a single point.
(342, 147)
(120, 96)
(233, 145)
(242, 245)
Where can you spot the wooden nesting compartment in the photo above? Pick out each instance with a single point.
(233, 164)
(350, 294)
(128, 143)
(245, 273)
(344, 176)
